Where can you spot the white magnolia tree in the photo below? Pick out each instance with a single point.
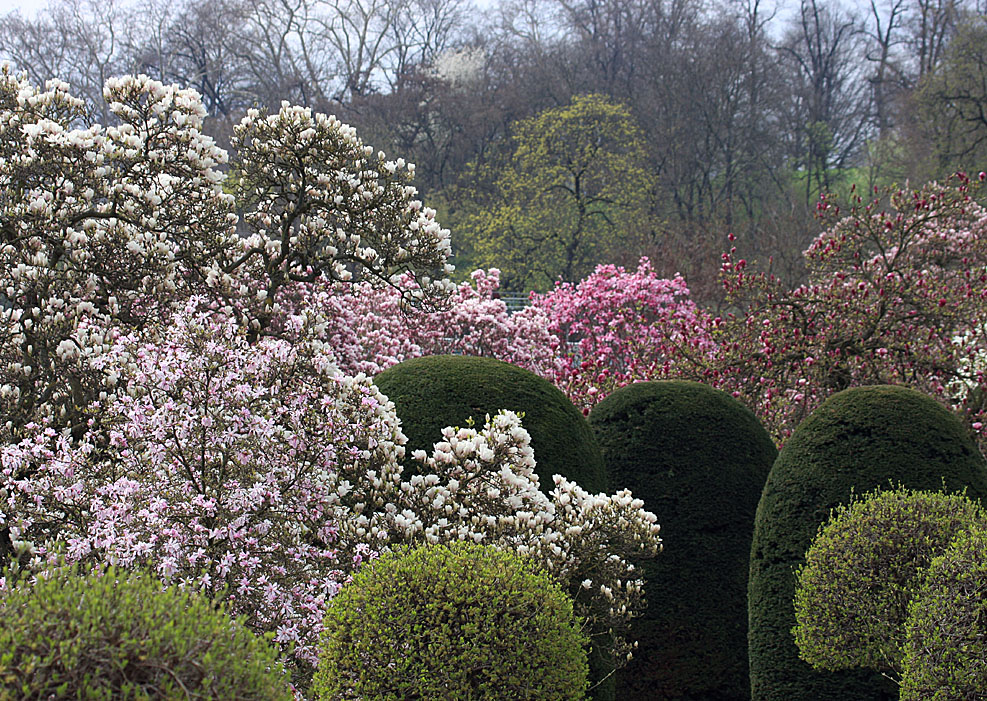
(103, 228)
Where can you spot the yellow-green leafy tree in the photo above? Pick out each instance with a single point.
(572, 192)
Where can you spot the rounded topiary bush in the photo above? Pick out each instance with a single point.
(863, 569)
(122, 635)
(458, 621)
(698, 459)
(856, 441)
(436, 391)
(946, 632)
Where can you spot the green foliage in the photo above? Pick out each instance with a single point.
(946, 632)
(699, 459)
(856, 441)
(120, 635)
(459, 621)
(449, 390)
(572, 193)
(864, 568)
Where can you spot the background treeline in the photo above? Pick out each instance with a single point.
(554, 135)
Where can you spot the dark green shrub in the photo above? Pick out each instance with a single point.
(857, 440)
(699, 459)
(436, 391)
(863, 569)
(946, 632)
(459, 621)
(122, 636)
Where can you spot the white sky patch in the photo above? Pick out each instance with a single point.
(28, 8)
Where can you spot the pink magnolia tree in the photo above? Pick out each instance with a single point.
(611, 329)
(373, 328)
(897, 294)
(617, 327)
(218, 468)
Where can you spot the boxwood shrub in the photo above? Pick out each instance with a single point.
(865, 567)
(123, 635)
(458, 621)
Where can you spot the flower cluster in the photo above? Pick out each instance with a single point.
(371, 328)
(611, 329)
(98, 223)
(480, 485)
(617, 327)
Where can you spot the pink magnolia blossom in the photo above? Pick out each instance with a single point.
(371, 328)
(218, 467)
(613, 328)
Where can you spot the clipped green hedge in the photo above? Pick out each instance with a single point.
(458, 621)
(123, 636)
(858, 440)
(698, 459)
(436, 391)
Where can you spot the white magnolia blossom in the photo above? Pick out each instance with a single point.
(101, 226)
(104, 228)
(461, 68)
(480, 485)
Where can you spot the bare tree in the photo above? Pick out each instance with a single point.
(885, 35)
(932, 23)
(828, 109)
(83, 42)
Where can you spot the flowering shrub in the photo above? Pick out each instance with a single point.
(889, 289)
(480, 485)
(372, 328)
(320, 205)
(613, 328)
(108, 227)
(98, 223)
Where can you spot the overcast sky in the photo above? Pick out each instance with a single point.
(27, 7)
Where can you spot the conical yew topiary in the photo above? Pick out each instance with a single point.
(698, 459)
(858, 440)
(436, 391)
